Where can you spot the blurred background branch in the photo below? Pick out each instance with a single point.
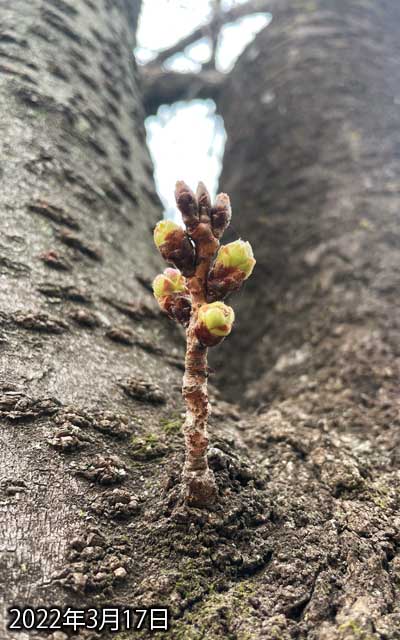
(163, 85)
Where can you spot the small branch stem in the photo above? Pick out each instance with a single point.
(220, 18)
(198, 479)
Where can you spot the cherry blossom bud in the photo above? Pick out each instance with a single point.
(177, 307)
(221, 214)
(172, 295)
(234, 264)
(162, 231)
(214, 323)
(204, 202)
(187, 204)
(238, 254)
(175, 246)
(171, 281)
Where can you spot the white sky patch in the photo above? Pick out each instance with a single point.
(187, 139)
(186, 142)
(163, 22)
(195, 55)
(235, 37)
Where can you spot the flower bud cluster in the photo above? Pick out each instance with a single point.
(197, 209)
(187, 250)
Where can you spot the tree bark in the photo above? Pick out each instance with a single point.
(90, 400)
(311, 159)
(311, 165)
(303, 539)
(84, 349)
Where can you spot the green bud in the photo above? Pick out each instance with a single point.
(215, 319)
(238, 255)
(169, 282)
(163, 229)
(175, 246)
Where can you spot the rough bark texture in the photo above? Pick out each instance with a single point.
(83, 345)
(90, 404)
(312, 167)
(303, 540)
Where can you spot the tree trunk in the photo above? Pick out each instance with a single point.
(311, 165)
(90, 398)
(310, 162)
(84, 350)
(303, 539)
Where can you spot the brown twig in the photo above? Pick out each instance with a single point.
(200, 488)
(163, 86)
(185, 296)
(220, 18)
(166, 87)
